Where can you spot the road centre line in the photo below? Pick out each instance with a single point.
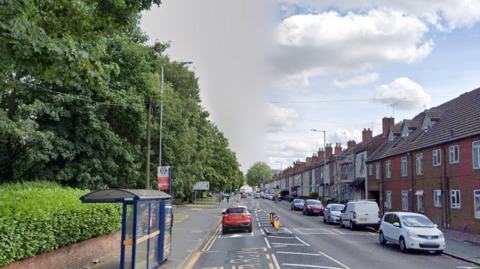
(335, 230)
(286, 237)
(301, 241)
(275, 261)
(266, 241)
(286, 244)
(346, 267)
(299, 253)
(311, 266)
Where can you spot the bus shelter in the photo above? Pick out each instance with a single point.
(146, 225)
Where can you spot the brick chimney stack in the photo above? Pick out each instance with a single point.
(366, 135)
(320, 154)
(387, 123)
(329, 149)
(351, 144)
(338, 148)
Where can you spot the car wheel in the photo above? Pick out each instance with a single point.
(250, 229)
(381, 238)
(352, 226)
(403, 245)
(224, 230)
(438, 252)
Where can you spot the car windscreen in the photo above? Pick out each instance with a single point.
(417, 221)
(367, 207)
(336, 207)
(298, 201)
(313, 203)
(236, 210)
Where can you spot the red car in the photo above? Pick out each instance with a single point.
(236, 217)
(244, 195)
(312, 207)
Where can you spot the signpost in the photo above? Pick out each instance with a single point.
(164, 178)
(276, 222)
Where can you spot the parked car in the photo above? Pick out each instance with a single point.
(361, 213)
(332, 213)
(256, 196)
(297, 204)
(244, 195)
(312, 207)
(411, 231)
(236, 217)
(262, 195)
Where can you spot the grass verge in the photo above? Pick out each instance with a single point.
(177, 218)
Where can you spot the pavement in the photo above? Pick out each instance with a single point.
(463, 246)
(187, 236)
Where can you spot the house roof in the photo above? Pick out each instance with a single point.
(460, 118)
(364, 146)
(435, 113)
(396, 129)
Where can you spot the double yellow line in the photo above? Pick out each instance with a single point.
(212, 239)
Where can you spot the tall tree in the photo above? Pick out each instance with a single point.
(258, 173)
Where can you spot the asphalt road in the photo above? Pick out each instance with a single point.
(306, 242)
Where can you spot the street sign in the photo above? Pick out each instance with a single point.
(164, 177)
(276, 222)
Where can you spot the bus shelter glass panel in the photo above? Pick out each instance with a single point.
(128, 241)
(167, 246)
(154, 234)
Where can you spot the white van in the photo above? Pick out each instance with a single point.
(361, 213)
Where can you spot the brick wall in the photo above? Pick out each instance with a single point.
(74, 256)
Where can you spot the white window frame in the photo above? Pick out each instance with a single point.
(437, 157)
(405, 200)
(476, 154)
(370, 169)
(476, 203)
(455, 199)
(389, 200)
(437, 198)
(389, 168)
(420, 205)
(419, 162)
(377, 171)
(404, 166)
(454, 153)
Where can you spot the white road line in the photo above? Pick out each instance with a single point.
(266, 241)
(261, 230)
(299, 253)
(346, 267)
(275, 261)
(371, 233)
(281, 237)
(335, 230)
(301, 241)
(287, 230)
(285, 244)
(252, 233)
(311, 266)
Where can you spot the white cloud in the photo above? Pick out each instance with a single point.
(329, 43)
(357, 81)
(282, 119)
(406, 93)
(289, 151)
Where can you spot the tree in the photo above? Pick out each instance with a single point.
(258, 173)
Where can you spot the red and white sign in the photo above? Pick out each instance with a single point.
(164, 177)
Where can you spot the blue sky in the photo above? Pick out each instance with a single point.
(261, 64)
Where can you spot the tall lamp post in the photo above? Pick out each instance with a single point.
(324, 159)
(161, 119)
(281, 175)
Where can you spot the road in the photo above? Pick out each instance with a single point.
(306, 242)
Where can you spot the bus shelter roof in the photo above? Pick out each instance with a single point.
(123, 195)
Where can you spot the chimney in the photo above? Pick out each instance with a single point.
(309, 161)
(338, 148)
(329, 149)
(366, 135)
(387, 123)
(351, 144)
(320, 154)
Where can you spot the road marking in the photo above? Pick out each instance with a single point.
(285, 244)
(371, 233)
(252, 233)
(270, 265)
(250, 248)
(286, 237)
(335, 230)
(346, 267)
(266, 241)
(261, 230)
(268, 257)
(301, 241)
(299, 253)
(264, 249)
(211, 238)
(275, 261)
(311, 266)
(287, 230)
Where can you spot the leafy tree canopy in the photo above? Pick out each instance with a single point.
(258, 173)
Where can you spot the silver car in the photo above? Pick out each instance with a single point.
(332, 213)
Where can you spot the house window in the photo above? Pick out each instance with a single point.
(389, 200)
(476, 154)
(455, 198)
(370, 169)
(454, 153)
(476, 203)
(437, 198)
(419, 195)
(377, 171)
(389, 172)
(420, 164)
(404, 166)
(405, 200)
(436, 157)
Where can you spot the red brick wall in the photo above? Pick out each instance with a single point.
(74, 256)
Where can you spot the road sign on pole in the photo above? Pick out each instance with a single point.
(276, 221)
(164, 177)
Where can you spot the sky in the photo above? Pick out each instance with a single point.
(270, 71)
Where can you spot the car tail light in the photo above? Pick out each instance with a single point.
(354, 215)
(379, 215)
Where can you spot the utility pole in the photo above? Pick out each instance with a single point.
(148, 141)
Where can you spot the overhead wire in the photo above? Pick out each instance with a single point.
(359, 100)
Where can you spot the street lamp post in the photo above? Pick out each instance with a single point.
(281, 174)
(161, 120)
(324, 159)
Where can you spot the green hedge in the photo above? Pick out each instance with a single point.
(35, 219)
(313, 195)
